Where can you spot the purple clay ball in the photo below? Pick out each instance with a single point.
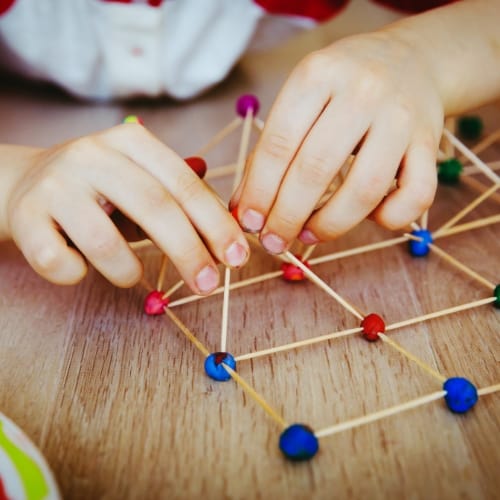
(245, 103)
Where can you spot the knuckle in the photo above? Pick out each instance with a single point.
(104, 245)
(156, 197)
(46, 260)
(190, 188)
(127, 131)
(76, 150)
(314, 170)
(277, 146)
(312, 67)
(373, 81)
(371, 190)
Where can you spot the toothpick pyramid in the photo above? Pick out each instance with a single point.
(298, 441)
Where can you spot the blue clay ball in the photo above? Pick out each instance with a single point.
(214, 365)
(461, 394)
(420, 248)
(298, 443)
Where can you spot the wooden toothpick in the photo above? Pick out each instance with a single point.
(462, 267)
(413, 358)
(161, 274)
(219, 136)
(225, 309)
(318, 281)
(372, 417)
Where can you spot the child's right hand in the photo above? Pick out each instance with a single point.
(62, 189)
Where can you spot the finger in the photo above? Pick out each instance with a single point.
(45, 249)
(417, 183)
(293, 114)
(95, 235)
(200, 207)
(368, 180)
(321, 156)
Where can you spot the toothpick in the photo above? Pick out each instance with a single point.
(372, 417)
(462, 267)
(318, 281)
(187, 332)
(136, 245)
(309, 250)
(449, 150)
(359, 250)
(467, 209)
(300, 343)
(486, 221)
(173, 289)
(413, 358)
(442, 312)
(146, 284)
(424, 219)
(243, 151)
(225, 309)
(219, 136)
(484, 144)
(213, 173)
(488, 390)
(161, 274)
(234, 286)
(256, 396)
(478, 186)
(473, 170)
(472, 157)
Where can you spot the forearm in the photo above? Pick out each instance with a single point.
(14, 161)
(460, 44)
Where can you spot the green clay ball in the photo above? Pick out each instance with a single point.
(496, 294)
(449, 171)
(470, 127)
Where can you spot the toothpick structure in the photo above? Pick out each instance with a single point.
(459, 393)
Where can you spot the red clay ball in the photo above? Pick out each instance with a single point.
(291, 272)
(155, 303)
(372, 325)
(198, 165)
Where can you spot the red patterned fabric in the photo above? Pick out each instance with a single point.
(319, 10)
(5, 5)
(152, 3)
(413, 6)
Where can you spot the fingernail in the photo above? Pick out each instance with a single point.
(207, 279)
(252, 220)
(273, 243)
(308, 237)
(236, 254)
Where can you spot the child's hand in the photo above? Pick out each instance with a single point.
(63, 188)
(369, 94)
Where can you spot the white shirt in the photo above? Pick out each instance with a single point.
(101, 50)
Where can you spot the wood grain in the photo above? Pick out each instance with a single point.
(120, 406)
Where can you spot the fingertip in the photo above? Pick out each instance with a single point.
(206, 280)
(237, 254)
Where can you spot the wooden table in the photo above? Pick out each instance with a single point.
(119, 404)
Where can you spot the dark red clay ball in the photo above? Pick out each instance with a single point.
(372, 325)
(198, 165)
